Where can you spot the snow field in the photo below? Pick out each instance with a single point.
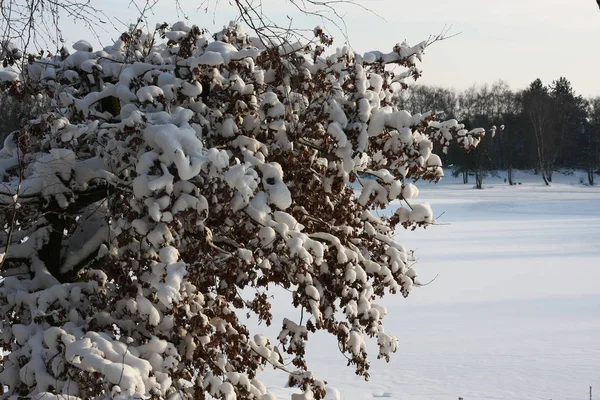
(513, 312)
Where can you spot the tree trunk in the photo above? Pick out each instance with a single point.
(51, 251)
(546, 180)
(465, 175)
(510, 171)
(478, 179)
(544, 171)
(590, 173)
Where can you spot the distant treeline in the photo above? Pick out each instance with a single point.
(545, 126)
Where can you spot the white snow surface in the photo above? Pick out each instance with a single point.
(514, 312)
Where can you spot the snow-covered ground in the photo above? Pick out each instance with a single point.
(514, 312)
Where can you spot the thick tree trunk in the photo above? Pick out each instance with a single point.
(465, 175)
(51, 252)
(590, 173)
(510, 177)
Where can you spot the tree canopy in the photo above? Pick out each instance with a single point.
(174, 171)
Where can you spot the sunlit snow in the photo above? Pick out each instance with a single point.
(514, 312)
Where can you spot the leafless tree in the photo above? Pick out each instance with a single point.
(37, 22)
(539, 111)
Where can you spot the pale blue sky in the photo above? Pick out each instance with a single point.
(513, 40)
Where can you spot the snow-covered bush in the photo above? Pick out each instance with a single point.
(176, 170)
